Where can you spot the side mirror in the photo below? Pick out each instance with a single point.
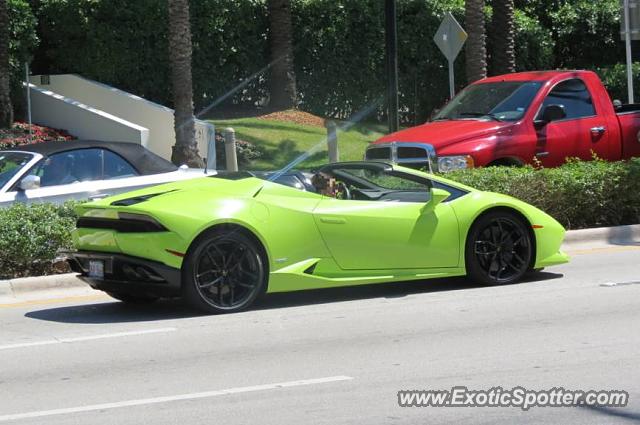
(551, 113)
(437, 196)
(29, 182)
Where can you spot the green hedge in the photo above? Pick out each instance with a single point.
(31, 235)
(578, 194)
(339, 48)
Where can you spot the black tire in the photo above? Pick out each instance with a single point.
(224, 272)
(499, 249)
(132, 299)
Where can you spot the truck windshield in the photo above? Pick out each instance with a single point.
(502, 101)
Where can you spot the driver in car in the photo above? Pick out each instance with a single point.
(327, 185)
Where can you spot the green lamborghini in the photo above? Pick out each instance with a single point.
(224, 240)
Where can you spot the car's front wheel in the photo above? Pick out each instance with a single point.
(499, 249)
(224, 272)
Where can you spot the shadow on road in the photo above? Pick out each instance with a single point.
(117, 312)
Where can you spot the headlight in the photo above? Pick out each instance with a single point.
(457, 162)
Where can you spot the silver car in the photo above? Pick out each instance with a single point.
(82, 170)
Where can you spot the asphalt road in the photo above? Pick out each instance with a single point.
(331, 357)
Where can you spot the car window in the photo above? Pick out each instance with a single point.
(574, 96)
(116, 167)
(11, 163)
(383, 180)
(370, 184)
(82, 165)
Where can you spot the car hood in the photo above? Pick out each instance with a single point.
(441, 134)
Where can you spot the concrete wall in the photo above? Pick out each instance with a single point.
(155, 117)
(54, 110)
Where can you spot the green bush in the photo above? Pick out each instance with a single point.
(30, 236)
(579, 194)
(339, 51)
(615, 79)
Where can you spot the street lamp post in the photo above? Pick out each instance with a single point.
(391, 33)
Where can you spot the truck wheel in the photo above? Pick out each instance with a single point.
(224, 272)
(498, 249)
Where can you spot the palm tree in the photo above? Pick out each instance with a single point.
(185, 150)
(6, 109)
(283, 78)
(501, 38)
(475, 50)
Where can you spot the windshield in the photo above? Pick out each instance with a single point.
(11, 163)
(502, 101)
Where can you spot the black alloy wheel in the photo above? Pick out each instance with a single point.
(499, 249)
(224, 272)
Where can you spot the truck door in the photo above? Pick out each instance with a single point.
(581, 133)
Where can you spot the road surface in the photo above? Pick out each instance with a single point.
(332, 356)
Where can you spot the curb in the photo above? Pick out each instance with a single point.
(603, 236)
(617, 235)
(16, 287)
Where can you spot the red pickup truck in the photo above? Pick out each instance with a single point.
(512, 119)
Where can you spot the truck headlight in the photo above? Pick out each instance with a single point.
(456, 162)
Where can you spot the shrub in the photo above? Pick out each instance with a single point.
(579, 194)
(339, 51)
(19, 135)
(30, 236)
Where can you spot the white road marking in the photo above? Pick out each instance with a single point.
(85, 338)
(165, 399)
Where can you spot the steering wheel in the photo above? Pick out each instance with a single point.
(344, 189)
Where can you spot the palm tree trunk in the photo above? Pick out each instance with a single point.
(283, 78)
(475, 50)
(501, 38)
(185, 150)
(6, 108)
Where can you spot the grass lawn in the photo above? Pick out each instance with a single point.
(282, 142)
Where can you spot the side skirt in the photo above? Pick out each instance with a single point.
(315, 273)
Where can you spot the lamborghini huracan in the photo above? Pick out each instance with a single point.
(224, 240)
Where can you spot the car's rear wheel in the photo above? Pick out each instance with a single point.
(132, 299)
(224, 272)
(499, 249)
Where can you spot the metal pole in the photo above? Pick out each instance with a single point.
(627, 40)
(230, 149)
(391, 33)
(26, 69)
(452, 83)
(332, 141)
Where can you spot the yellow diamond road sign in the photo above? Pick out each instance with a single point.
(450, 37)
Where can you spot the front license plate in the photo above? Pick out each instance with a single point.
(96, 269)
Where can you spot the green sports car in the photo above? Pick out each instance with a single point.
(222, 241)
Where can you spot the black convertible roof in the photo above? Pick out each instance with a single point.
(143, 160)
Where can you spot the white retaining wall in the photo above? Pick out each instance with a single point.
(156, 118)
(54, 110)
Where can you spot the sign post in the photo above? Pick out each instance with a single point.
(450, 38)
(627, 42)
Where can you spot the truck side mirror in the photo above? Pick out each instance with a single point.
(29, 182)
(551, 113)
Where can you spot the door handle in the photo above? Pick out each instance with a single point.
(98, 196)
(596, 131)
(333, 220)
